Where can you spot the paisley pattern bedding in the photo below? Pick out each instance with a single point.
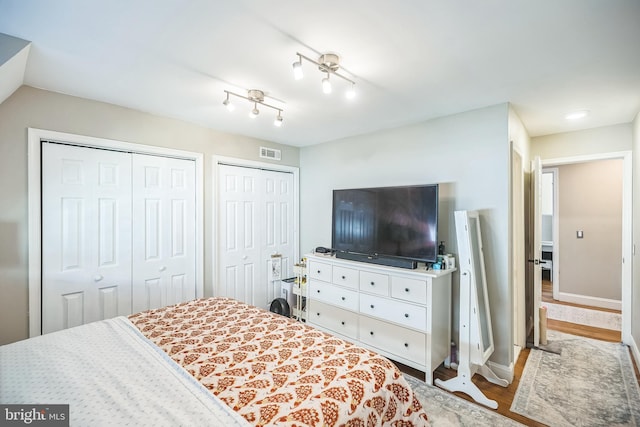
(273, 370)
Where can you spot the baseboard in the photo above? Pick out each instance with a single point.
(634, 351)
(502, 371)
(592, 301)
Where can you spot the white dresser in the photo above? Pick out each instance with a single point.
(399, 313)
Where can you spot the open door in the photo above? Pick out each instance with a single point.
(536, 182)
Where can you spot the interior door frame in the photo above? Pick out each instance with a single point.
(34, 190)
(627, 245)
(233, 161)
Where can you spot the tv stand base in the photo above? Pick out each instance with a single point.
(390, 262)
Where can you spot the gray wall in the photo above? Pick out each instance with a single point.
(468, 154)
(590, 200)
(29, 107)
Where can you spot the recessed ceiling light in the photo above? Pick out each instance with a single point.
(576, 115)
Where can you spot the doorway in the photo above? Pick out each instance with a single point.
(582, 220)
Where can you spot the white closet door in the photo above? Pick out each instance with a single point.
(256, 209)
(164, 247)
(278, 204)
(86, 235)
(239, 233)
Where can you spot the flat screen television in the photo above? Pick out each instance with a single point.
(393, 222)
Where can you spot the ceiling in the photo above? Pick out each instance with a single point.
(412, 60)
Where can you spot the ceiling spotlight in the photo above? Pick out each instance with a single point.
(254, 113)
(326, 85)
(278, 121)
(257, 97)
(297, 69)
(576, 115)
(227, 103)
(328, 63)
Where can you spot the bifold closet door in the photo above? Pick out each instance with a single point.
(86, 235)
(164, 238)
(255, 221)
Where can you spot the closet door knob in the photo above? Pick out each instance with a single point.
(163, 268)
(98, 277)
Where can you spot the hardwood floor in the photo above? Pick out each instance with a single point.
(504, 395)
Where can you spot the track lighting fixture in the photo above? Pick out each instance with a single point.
(328, 63)
(257, 97)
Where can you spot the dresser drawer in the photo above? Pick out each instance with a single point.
(409, 289)
(334, 295)
(345, 277)
(409, 315)
(320, 271)
(333, 318)
(374, 283)
(394, 339)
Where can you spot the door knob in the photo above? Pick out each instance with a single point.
(163, 268)
(98, 277)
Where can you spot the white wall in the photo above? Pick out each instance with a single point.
(635, 306)
(29, 107)
(607, 139)
(468, 154)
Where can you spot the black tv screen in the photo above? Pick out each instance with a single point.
(387, 221)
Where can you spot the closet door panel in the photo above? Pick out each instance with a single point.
(278, 238)
(239, 243)
(164, 235)
(86, 235)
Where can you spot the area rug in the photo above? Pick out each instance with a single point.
(581, 382)
(447, 410)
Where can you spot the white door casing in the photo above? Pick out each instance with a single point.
(164, 255)
(86, 247)
(536, 181)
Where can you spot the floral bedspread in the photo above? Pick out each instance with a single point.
(273, 370)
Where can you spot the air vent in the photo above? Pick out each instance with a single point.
(270, 153)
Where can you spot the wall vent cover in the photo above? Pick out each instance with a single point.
(270, 153)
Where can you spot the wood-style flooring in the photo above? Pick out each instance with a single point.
(504, 395)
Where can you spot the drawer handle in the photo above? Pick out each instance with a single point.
(373, 283)
(343, 277)
(371, 305)
(371, 333)
(406, 345)
(317, 314)
(319, 271)
(344, 298)
(406, 289)
(342, 323)
(318, 291)
(406, 315)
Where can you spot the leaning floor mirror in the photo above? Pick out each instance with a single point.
(475, 344)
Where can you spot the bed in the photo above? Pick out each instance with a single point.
(213, 361)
